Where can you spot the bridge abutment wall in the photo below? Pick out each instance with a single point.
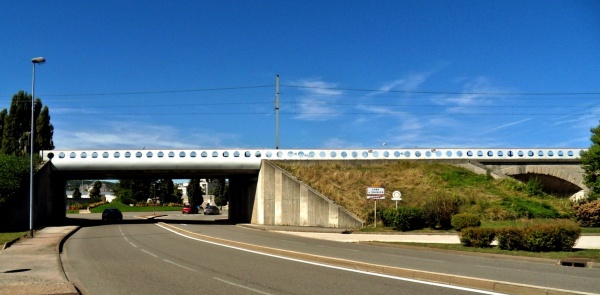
(282, 199)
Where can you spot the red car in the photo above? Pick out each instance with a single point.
(187, 209)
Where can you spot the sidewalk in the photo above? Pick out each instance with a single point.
(32, 266)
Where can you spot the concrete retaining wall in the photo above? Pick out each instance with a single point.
(282, 199)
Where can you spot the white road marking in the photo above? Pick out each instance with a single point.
(184, 267)
(149, 253)
(132, 244)
(241, 286)
(339, 268)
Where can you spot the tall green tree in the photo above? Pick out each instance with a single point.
(221, 192)
(590, 162)
(137, 190)
(194, 192)
(3, 114)
(16, 126)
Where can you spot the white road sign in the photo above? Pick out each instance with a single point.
(396, 196)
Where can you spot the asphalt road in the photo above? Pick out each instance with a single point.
(143, 258)
(142, 250)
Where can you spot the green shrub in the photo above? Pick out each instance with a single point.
(464, 220)
(477, 237)
(551, 237)
(409, 218)
(588, 214)
(388, 216)
(534, 187)
(438, 211)
(510, 238)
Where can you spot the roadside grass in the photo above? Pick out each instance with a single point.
(7, 237)
(125, 208)
(592, 254)
(72, 211)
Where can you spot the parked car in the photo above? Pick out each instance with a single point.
(188, 209)
(211, 210)
(112, 214)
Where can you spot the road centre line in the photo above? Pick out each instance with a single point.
(328, 247)
(241, 286)
(151, 254)
(292, 242)
(132, 244)
(336, 267)
(177, 264)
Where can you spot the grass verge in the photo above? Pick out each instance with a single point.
(7, 237)
(126, 208)
(592, 254)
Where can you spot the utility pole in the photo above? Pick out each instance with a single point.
(277, 112)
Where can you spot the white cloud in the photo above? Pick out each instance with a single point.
(314, 105)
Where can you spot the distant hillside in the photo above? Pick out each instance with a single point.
(346, 182)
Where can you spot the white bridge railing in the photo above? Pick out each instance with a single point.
(250, 158)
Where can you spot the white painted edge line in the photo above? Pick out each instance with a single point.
(177, 264)
(337, 267)
(240, 286)
(149, 253)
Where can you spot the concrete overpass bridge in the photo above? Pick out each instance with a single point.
(261, 193)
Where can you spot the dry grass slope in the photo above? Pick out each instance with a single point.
(345, 182)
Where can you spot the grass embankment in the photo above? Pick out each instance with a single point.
(127, 208)
(499, 203)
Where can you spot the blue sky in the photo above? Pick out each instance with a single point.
(353, 74)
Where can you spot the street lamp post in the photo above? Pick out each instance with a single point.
(37, 60)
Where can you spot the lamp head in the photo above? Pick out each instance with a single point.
(38, 60)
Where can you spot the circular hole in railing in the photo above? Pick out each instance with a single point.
(376, 154)
(269, 154)
(215, 154)
(459, 153)
(50, 156)
(83, 155)
(127, 154)
(279, 154)
(386, 154)
(247, 154)
(490, 153)
(225, 154)
(520, 153)
(311, 154)
(448, 153)
(344, 154)
(182, 154)
(105, 155)
(149, 155)
(397, 154)
(322, 154)
(469, 153)
(193, 154)
(561, 154)
(570, 153)
(203, 154)
(117, 155)
(438, 154)
(530, 153)
(500, 154)
(540, 153)
(236, 154)
(171, 154)
(301, 154)
(365, 154)
(418, 154)
(354, 154)
(333, 154)
(479, 153)
(160, 154)
(258, 155)
(94, 155)
(428, 154)
(62, 155)
(510, 153)
(407, 154)
(550, 154)
(290, 154)
(138, 154)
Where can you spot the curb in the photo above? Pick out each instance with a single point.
(61, 269)
(476, 283)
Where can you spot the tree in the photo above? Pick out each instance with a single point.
(221, 192)
(16, 126)
(590, 162)
(194, 192)
(94, 193)
(134, 190)
(76, 193)
(14, 176)
(3, 115)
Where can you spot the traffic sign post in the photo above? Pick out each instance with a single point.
(375, 193)
(396, 196)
